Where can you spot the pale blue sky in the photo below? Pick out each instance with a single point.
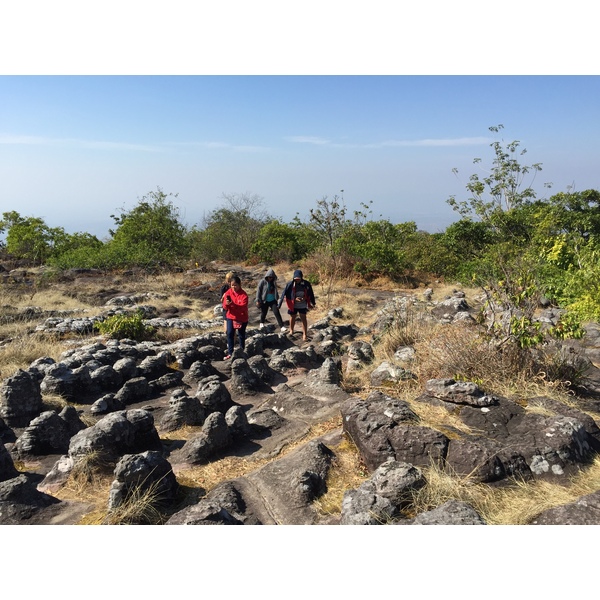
(75, 149)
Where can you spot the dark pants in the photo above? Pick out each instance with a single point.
(231, 335)
(264, 309)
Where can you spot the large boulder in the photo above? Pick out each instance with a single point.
(20, 398)
(145, 473)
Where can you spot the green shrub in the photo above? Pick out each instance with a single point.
(130, 326)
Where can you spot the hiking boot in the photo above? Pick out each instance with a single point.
(227, 357)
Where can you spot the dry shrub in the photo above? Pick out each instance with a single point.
(411, 324)
(459, 352)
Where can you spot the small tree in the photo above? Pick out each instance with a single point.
(150, 234)
(29, 238)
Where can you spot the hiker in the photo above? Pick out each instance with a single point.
(299, 298)
(267, 296)
(225, 288)
(235, 304)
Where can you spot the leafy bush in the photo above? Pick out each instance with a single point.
(130, 326)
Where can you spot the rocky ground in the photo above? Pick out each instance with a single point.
(155, 411)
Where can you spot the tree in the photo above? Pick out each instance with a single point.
(29, 238)
(150, 234)
(503, 188)
(229, 232)
(279, 241)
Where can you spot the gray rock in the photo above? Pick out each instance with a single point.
(148, 472)
(20, 398)
(452, 512)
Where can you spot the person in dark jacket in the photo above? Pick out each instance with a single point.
(300, 298)
(267, 296)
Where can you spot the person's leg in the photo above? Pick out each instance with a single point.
(242, 335)
(224, 323)
(292, 322)
(264, 308)
(230, 336)
(304, 322)
(277, 314)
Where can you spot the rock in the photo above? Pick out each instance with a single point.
(144, 473)
(452, 512)
(20, 399)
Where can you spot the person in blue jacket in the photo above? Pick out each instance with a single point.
(267, 296)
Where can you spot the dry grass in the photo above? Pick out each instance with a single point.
(348, 471)
(22, 350)
(230, 467)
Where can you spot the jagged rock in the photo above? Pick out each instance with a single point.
(134, 390)
(126, 367)
(153, 367)
(237, 422)
(106, 378)
(388, 372)
(49, 433)
(183, 410)
(146, 472)
(213, 395)
(290, 485)
(361, 352)
(583, 511)
(260, 367)
(382, 428)
(379, 499)
(215, 436)
(106, 404)
(243, 379)
(460, 392)
(165, 382)
(200, 369)
(7, 466)
(20, 398)
(405, 354)
(204, 513)
(452, 512)
(20, 500)
(117, 434)
(294, 358)
(68, 383)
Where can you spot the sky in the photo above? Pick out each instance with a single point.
(76, 149)
(93, 117)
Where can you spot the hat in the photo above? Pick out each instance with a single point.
(297, 274)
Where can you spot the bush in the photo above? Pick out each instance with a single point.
(130, 326)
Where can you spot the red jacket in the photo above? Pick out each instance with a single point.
(238, 309)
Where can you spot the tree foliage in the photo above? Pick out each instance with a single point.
(150, 234)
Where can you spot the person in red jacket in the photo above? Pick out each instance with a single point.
(235, 303)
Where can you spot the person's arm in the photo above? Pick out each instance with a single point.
(284, 295)
(311, 295)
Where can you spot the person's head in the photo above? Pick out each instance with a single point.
(229, 277)
(236, 283)
(297, 275)
(270, 275)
